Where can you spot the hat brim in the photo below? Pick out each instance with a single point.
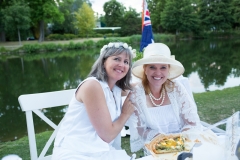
(176, 68)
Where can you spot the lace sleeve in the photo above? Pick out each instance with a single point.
(139, 132)
(187, 108)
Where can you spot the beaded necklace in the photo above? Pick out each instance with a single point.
(157, 99)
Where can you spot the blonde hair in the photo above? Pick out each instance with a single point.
(168, 85)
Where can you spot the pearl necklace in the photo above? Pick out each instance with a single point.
(157, 99)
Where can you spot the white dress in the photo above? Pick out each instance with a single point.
(146, 122)
(77, 138)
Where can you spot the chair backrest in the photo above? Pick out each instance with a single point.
(34, 103)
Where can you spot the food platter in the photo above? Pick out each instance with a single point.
(168, 147)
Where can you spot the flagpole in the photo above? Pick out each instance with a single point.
(147, 35)
(143, 5)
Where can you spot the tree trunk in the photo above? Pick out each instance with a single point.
(19, 38)
(41, 27)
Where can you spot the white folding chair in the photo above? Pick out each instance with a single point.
(34, 103)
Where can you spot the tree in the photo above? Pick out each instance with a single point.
(85, 20)
(179, 16)
(3, 4)
(44, 11)
(67, 7)
(13, 19)
(236, 12)
(131, 23)
(215, 15)
(156, 8)
(114, 12)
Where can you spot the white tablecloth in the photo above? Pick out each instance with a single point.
(207, 151)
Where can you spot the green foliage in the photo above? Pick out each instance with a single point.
(179, 16)
(156, 8)
(215, 15)
(13, 22)
(67, 7)
(139, 55)
(31, 48)
(135, 39)
(85, 20)
(89, 44)
(12, 18)
(131, 23)
(101, 43)
(50, 47)
(61, 37)
(71, 45)
(236, 13)
(2, 49)
(78, 45)
(45, 12)
(114, 12)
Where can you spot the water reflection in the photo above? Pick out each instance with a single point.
(214, 61)
(211, 63)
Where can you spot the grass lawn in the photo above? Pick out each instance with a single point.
(212, 107)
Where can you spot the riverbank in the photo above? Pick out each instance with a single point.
(35, 47)
(212, 107)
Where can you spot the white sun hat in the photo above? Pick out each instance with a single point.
(158, 53)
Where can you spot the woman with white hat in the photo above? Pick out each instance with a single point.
(162, 104)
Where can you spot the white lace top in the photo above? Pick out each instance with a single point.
(181, 114)
(167, 121)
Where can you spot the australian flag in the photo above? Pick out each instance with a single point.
(147, 35)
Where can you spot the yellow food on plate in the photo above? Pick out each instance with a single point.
(167, 144)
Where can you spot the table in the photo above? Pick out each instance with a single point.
(206, 151)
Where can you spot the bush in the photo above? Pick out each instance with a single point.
(50, 47)
(61, 37)
(31, 48)
(71, 45)
(2, 49)
(78, 45)
(135, 39)
(101, 43)
(89, 44)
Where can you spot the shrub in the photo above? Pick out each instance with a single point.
(89, 44)
(135, 39)
(61, 37)
(2, 49)
(71, 45)
(78, 45)
(31, 48)
(50, 47)
(59, 47)
(101, 43)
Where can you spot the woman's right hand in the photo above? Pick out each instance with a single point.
(128, 106)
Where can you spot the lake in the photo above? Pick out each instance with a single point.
(209, 65)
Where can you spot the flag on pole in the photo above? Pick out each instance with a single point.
(147, 35)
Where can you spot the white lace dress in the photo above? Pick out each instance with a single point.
(146, 122)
